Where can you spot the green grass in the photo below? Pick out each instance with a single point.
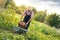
(58, 30)
(42, 31)
(36, 31)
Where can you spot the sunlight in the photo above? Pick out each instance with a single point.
(21, 2)
(42, 6)
(39, 6)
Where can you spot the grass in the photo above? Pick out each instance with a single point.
(36, 31)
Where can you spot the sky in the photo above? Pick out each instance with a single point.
(52, 6)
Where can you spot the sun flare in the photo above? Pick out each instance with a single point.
(39, 5)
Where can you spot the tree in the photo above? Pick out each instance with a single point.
(2, 3)
(5, 3)
(11, 5)
(53, 20)
(35, 11)
(40, 16)
(9, 2)
(22, 8)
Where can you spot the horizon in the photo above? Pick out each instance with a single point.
(50, 5)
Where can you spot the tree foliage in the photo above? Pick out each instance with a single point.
(2, 3)
(35, 11)
(9, 2)
(40, 16)
(53, 20)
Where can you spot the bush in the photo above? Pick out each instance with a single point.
(9, 36)
(53, 20)
(40, 16)
(8, 18)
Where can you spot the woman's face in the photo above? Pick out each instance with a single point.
(29, 8)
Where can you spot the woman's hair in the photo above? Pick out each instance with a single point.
(29, 8)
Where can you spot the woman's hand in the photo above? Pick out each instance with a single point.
(26, 23)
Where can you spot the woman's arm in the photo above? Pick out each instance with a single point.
(23, 14)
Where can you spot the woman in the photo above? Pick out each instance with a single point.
(28, 15)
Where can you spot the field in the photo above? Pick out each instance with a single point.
(36, 31)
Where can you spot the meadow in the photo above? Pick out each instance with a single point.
(36, 30)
